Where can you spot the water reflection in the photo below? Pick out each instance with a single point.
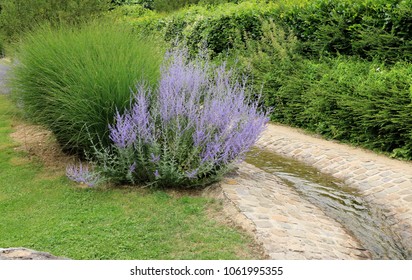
(339, 201)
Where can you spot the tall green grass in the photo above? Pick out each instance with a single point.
(71, 80)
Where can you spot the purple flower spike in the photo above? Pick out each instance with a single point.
(132, 167)
(81, 174)
(156, 174)
(191, 174)
(154, 159)
(123, 133)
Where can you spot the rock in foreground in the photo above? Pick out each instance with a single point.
(26, 254)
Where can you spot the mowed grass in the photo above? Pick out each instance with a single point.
(50, 213)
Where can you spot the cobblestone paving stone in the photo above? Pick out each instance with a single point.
(288, 226)
(385, 183)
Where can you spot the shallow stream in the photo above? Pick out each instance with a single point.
(370, 226)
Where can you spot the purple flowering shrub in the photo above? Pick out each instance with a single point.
(188, 132)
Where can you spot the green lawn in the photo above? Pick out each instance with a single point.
(47, 212)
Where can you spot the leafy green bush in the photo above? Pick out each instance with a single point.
(220, 27)
(370, 28)
(147, 4)
(275, 66)
(129, 12)
(1, 46)
(72, 80)
(169, 5)
(172, 5)
(19, 16)
(369, 104)
(362, 102)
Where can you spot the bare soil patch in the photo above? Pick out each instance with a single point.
(39, 144)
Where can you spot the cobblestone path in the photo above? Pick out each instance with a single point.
(289, 227)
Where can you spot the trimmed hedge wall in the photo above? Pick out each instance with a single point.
(360, 102)
(169, 5)
(20, 16)
(221, 27)
(369, 29)
(367, 103)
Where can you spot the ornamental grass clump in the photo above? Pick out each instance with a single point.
(72, 79)
(187, 132)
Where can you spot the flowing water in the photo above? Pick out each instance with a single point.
(370, 226)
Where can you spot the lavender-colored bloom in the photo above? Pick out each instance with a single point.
(81, 174)
(134, 124)
(211, 150)
(140, 115)
(132, 167)
(181, 85)
(156, 174)
(154, 159)
(123, 133)
(191, 174)
(199, 136)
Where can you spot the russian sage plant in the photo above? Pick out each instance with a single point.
(189, 131)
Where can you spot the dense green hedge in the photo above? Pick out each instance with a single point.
(222, 27)
(346, 98)
(369, 28)
(169, 5)
(361, 102)
(172, 5)
(20, 16)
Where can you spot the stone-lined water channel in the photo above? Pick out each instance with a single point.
(342, 203)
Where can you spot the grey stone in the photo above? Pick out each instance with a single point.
(26, 254)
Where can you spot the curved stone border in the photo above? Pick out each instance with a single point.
(385, 183)
(288, 226)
